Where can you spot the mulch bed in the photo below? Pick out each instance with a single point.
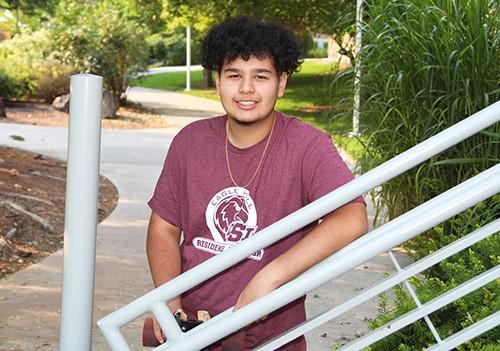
(32, 203)
(129, 116)
(33, 186)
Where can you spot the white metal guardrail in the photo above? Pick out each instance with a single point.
(428, 308)
(382, 239)
(468, 333)
(384, 285)
(408, 225)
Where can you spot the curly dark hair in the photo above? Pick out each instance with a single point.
(244, 37)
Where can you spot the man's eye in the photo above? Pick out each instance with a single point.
(261, 77)
(233, 76)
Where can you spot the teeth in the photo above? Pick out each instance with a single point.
(246, 103)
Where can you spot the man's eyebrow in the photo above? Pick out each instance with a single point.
(258, 70)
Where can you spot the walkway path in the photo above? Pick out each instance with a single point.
(179, 109)
(30, 299)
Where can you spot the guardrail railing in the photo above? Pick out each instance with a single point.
(408, 225)
(396, 278)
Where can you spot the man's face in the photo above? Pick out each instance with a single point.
(248, 89)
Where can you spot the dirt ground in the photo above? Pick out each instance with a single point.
(33, 186)
(37, 113)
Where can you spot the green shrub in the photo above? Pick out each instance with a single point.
(17, 58)
(169, 48)
(52, 79)
(8, 85)
(28, 65)
(318, 53)
(157, 50)
(426, 65)
(101, 38)
(447, 275)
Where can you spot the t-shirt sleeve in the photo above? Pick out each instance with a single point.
(324, 170)
(165, 200)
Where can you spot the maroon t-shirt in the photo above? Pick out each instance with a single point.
(196, 194)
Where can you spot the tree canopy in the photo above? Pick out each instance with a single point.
(31, 12)
(106, 39)
(310, 15)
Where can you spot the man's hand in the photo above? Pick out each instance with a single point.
(158, 332)
(183, 322)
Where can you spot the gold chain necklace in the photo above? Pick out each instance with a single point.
(261, 159)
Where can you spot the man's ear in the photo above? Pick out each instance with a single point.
(282, 84)
(217, 82)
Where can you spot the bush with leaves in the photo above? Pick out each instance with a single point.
(168, 48)
(9, 86)
(426, 65)
(447, 275)
(30, 68)
(52, 79)
(18, 57)
(102, 38)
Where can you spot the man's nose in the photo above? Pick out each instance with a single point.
(246, 85)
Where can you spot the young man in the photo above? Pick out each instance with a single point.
(226, 178)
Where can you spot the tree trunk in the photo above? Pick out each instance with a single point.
(208, 80)
(110, 104)
(3, 114)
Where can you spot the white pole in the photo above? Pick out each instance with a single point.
(188, 58)
(82, 185)
(357, 69)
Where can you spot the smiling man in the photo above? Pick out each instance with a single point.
(226, 178)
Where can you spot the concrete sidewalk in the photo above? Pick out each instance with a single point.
(30, 299)
(178, 109)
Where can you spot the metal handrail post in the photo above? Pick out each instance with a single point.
(80, 225)
(415, 298)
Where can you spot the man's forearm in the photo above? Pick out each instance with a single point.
(164, 255)
(336, 231)
(333, 233)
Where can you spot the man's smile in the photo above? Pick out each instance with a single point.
(246, 104)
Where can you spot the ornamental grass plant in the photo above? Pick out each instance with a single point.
(426, 65)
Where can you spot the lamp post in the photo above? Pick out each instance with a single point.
(188, 58)
(357, 69)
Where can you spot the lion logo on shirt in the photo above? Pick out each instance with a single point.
(231, 217)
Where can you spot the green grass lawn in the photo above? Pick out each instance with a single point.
(175, 81)
(306, 96)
